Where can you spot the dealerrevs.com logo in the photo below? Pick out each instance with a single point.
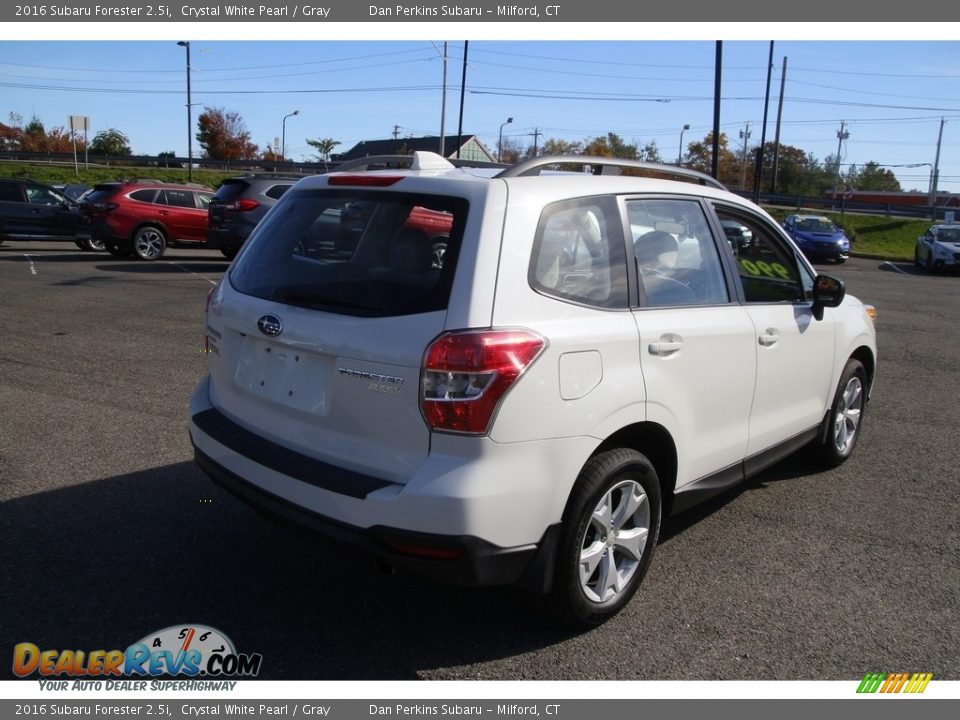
(190, 650)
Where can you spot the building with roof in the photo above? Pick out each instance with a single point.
(470, 148)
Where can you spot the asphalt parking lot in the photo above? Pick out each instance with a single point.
(109, 532)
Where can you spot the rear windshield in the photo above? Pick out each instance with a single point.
(102, 192)
(375, 254)
(230, 190)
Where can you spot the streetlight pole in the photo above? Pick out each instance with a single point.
(500, 139)
(186, 44)
(841, 136)
(283, 142)
(745, 136)
(680, 151)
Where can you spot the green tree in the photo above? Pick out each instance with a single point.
(111, 142)
(610, 146)
(323, 146)
(554, 146)
(873, 177)
(650, 153)
(224, 136)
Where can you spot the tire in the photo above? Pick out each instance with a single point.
(916, 257)
(928, 264)
(91, 244)
(610, 528)
(119, 251)
(846, 416)
(149, 242)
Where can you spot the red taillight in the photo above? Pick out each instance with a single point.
(466, 374)
(245, 205)
(364, 180)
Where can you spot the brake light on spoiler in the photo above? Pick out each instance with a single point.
(365, 180)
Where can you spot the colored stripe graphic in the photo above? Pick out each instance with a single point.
(894, 682)
(870, 683)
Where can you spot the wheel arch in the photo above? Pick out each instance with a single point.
(655, 442)
(150, 223)
(865, 355)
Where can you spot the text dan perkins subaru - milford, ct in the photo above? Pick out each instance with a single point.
(417, 11)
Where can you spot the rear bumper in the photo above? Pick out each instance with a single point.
(459, 560)
(226, 238)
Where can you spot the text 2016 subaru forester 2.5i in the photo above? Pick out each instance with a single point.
(590, 355)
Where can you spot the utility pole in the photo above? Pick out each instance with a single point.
(536, 135)
(776, 140)
(443, 103)
(841, 136)
(935, 175)
(396, 132)
(745, 136)
(758, 172)
(463, 92)
(717, 70)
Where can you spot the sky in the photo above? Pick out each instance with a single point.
(889, 95)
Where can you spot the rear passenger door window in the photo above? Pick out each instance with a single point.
(578, 253)
(179, 198)
(677, 259)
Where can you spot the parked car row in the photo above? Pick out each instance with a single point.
(139, 218)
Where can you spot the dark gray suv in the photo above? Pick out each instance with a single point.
(33, 211)
(238, 206)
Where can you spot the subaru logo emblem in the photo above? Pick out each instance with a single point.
(270, 325)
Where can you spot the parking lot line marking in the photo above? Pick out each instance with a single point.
(181, 267)
(33, 268)
(902, 272)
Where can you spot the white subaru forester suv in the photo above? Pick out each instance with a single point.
(587, 354)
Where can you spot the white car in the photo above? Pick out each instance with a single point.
(589, 356)
(938, 248)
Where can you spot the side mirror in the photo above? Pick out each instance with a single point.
(827, 292)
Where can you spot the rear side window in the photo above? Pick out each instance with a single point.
(374, 254)
(10, 192)
(277, 191)
(578, 253)
(146, 195)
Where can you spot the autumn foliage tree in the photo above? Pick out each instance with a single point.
(34, 137)
(224, 136)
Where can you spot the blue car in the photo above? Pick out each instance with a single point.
(817, 237)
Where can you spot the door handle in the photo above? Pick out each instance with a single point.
(664, 348)
(769, 337)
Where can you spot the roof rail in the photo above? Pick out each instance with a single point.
(599, 164)
(379, 162)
